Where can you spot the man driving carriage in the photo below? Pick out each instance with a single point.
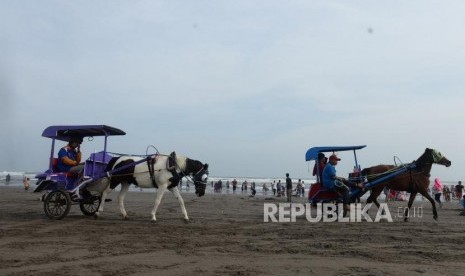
(334, 183)
(69, 157)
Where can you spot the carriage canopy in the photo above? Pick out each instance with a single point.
(312, 154)
(64, 133)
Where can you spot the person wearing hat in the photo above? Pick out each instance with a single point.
(334, 183)
(69, 156)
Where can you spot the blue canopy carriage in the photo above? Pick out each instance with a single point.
(318, 193)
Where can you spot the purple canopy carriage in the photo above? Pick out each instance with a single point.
(63, 189)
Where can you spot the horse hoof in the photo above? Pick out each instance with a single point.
(95, 216)
(126, 218)
(186, 220)
(405, 219)
(153, 221)
(435, 217)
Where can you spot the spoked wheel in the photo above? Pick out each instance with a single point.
(89, 205)
(57, 204)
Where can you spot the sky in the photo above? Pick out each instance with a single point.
(246, 86)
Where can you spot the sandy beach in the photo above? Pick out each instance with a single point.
(226, 236)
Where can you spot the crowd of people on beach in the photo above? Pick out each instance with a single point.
(441, 193)
(448, 193)
(275, 188)
(284, 189)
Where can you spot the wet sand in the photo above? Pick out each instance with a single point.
(226, 236)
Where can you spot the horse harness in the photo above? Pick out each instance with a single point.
(151, 164)
(198, 177)
(170, 166)
(419, 168)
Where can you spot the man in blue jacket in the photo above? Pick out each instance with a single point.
(334, 183)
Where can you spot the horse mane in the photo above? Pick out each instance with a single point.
(188, 165)
(193, 166)
(181, 161)
(423, 160)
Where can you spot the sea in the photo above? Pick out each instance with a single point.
(16, 180)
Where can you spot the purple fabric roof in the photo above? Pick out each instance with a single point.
(65, 132)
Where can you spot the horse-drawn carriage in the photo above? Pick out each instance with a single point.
(318, 193)
(63, 189)
(103, 171)
(411, 177)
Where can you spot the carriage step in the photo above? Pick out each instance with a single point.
(108, 199)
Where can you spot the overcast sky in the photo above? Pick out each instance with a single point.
(247, 86)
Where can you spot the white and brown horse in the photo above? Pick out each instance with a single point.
(163, 172)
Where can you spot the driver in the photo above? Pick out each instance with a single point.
(69, 156)
(335, 183)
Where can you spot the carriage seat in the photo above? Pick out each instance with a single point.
(55, 165)
(56, 170)
(96, 164)
(319, 193)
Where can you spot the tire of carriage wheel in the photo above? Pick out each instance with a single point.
(90, 206)
(57, 204)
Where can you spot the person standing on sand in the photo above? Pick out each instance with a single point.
(234, 184)
(303, 189)
(264, 189)
(437, 191)
(459, 190)
(288, 187)
(278, 188)
(447, 193)
(386, 193)
(220, 186)
(26, 183)
(298, 188)
(273, 187)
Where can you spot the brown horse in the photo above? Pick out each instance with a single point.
(414, 180)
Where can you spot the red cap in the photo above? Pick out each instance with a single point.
(334, 157)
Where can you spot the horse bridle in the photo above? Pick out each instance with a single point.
(200, 182)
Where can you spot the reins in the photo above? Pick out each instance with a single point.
(401, 166)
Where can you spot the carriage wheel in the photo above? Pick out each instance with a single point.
(90, 205)
(57, 204)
